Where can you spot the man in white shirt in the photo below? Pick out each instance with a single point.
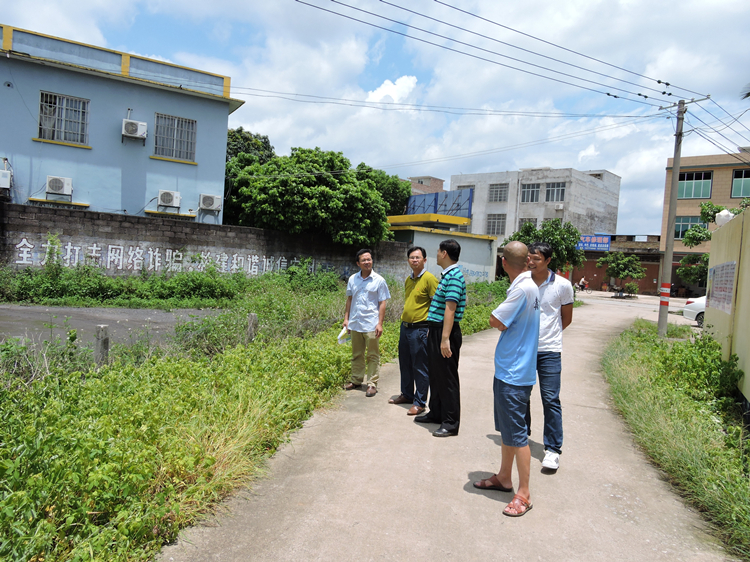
(366, 297)
(556, 297)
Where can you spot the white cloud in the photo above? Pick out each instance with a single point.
(587, 153)
(390, 92)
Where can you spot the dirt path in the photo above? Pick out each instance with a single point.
(363, 482)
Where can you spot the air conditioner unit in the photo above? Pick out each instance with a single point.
(559, 207)
(169, 198)
(210, 202)
(5, 179)
(59, 186)
(134, 129)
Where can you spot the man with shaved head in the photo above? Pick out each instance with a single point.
(517, 318)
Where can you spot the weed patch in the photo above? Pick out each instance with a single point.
(681, 401)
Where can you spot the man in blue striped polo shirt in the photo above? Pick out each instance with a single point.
(444, 342)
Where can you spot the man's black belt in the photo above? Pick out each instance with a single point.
(415, 324)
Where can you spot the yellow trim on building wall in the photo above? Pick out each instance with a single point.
(163, 214)
(451, 233)
(174, 160)
(87, 147)
(7, 38)
(227, 86)
(38, 200)
(428, 217)
(125, 65)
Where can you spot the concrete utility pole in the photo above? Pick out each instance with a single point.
(666, 270)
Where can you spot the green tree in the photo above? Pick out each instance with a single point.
(311, 191)
(240, 141)
(394, 191)
(621, 266)
(562, 237)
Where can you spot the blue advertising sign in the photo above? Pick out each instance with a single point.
(456, 203)
(596, 243)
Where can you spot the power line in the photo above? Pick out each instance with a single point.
(722, 122)
(662, 92)
(475, 56)
(566, 49)
(713, 129)
(735, 118)
(493, 52)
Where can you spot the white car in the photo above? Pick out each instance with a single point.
(694, 310)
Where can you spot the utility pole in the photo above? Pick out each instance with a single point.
(666, 270)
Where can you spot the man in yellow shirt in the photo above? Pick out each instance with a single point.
(412, 343)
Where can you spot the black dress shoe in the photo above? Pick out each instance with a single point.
(425, 418)
(442, 432)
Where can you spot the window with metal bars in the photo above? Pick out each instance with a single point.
(556, 191)
(498, 192)
(63, 118)
(496, 224)
(530, 192)
(521, 222)
(175, 137)
(465, 186)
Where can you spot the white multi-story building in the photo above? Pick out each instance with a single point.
(503, 201)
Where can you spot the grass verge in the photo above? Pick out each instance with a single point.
(110, 464)
(681, 402)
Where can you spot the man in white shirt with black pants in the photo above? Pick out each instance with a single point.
(556, 297)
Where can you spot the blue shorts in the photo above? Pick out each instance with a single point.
(510, 412)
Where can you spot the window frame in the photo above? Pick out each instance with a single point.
(557, 190)
(681, 190)
(60, 132)
(678, 221)
(530, 192)
(498, 193)
(745, 181)
(532, 220)
(175, 151)
(497, 220)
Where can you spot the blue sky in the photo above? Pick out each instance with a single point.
(287, 46)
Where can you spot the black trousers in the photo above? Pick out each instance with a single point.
(445, 393)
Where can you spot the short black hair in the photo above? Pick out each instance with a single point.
(542, 248)
(452, 247)
(413, 249)
(363, 251)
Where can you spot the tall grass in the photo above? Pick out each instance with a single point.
(110, 464)
(680, 400)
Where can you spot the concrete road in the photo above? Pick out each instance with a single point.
(362, 481)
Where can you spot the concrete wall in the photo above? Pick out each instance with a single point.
(478, 253)
(727, 315)
(125, 245)
(591, 199)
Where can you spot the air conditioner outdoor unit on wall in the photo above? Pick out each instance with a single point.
(210, 202)
(5, 179)
(559, 207)
(134, 129)
(169, 198)
(59, 186)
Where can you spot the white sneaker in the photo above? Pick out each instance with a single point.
(551, 460)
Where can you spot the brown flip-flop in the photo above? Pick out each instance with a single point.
(496, 485)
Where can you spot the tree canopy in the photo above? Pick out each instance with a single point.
(562, 237)
(621, 266)
(394, 191)
(240, 141)
(311, 191)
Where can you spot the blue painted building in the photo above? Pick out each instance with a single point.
(93, 128)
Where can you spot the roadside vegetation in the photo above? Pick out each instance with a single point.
(682, 403)
(109, 464)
